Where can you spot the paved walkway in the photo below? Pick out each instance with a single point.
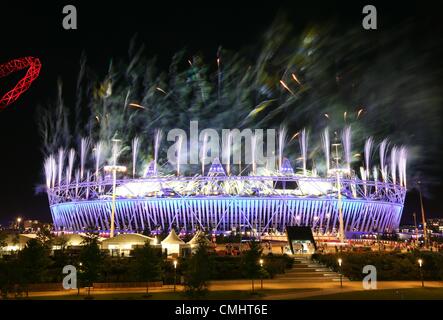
(295, 289)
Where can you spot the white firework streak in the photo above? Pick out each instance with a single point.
(363, 175)
(304, 149)
(97, 155)
(394, 164)
(84, 146)
(326, 148)
(281, 145)
(135, 147)
(346, 140)
(71, 159)
(61, 160)
(368, 154)
(383, 152)
(48, 170)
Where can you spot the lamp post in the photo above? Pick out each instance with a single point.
(420, 264)
(80, 264)
(339, 171)
(114, 169)
(175, 274)
(261, 274)
(341, 276)
(19, 220)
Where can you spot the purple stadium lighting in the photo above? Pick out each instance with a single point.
(262, 201)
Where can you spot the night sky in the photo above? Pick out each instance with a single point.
(104, 31)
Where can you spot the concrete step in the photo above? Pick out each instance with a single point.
(309, 266)
(308, 270)
(308, 274)
(305, 269)
(316, 279)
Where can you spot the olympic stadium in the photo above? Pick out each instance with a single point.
(261, 202)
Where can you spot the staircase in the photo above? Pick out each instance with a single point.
(304, 269)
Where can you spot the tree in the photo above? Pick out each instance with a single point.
(8, 276)
(250, 262)
(91, 259)
(33, 262)
(198, 269)
(147, 264)
(61, 241)
(3, 236)
(45, 236)
(3, 243)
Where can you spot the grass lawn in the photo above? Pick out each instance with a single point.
(389, 294)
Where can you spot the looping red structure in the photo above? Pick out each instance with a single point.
(7, 68)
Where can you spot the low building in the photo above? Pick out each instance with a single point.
(15, 242)
(122, 244)
(68, 240)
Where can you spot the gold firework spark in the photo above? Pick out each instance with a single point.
(286, 86)
(161, 90)
(296, 79)
(294, 136)
(136, 105)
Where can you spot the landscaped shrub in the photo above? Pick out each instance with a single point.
(390, 265)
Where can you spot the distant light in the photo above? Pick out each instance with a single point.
(175, 264)
(340, 261)
(420, 262)
(261, 262)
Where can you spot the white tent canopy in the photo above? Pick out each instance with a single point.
(172, 243)
(172, 238)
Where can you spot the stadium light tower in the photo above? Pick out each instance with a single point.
(338, 171)
(114, 169)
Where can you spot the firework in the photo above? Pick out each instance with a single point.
(135, 147)
(304, 149)
(326, 149)
(368, 154)
(346, 140)
(281, 145)
(84, 146)
(383, 152)
(241, 91)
